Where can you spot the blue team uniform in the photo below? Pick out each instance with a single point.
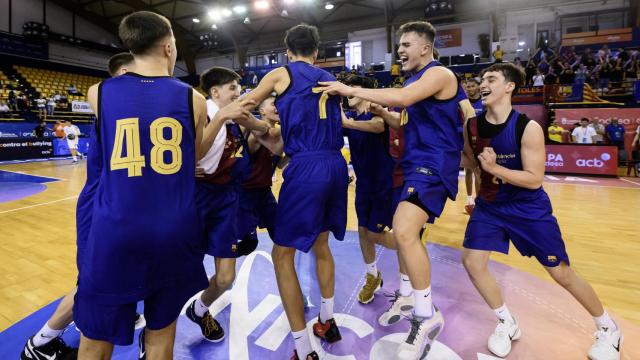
(433, 144)
(477, 105)
(313, 197)
(218, 196)
(504, 211)
(144, 241)
(374, 169)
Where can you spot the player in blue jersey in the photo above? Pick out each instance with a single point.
(433, 115)
(512, 205)
(313, 197)
(471, 176)
(373, 165)
(143, 242)
(225, 166)
(47, 342)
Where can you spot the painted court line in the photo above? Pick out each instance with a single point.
(629, 181)
(36, 205)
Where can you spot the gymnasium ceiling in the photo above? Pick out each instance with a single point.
(264, 29)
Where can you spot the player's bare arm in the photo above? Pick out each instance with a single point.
(200, 118)
(533, 157)
(392, 118)
(437, 81)
(375, 125)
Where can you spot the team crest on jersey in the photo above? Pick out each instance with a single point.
(410, 190)
(552, 258)
(234, 248)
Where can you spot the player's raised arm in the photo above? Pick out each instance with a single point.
(200, 120)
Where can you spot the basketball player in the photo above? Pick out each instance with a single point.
(471, 176)
(71, 133)
(313, 197)
(512, 205)
(225, 166)
(47, 342)
(432, 119)
(368, 142)
(149, 129)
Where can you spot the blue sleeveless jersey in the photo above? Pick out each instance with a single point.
(144, 230)
(477, 105)
(370, 156)
(507, 148)
(304, 111)
(433, 137)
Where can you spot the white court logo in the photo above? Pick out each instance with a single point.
(244, 322)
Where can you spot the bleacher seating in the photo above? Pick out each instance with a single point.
(48, 82)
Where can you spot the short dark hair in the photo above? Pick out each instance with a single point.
(117, 61)
(217, 76)
(357, 80)
(422, 28)
(302, 39)
(511, 73)
(436, 54)
(584, 119)
(142, 30)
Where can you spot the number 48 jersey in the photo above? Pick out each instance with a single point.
(304, 111)
(144, 232)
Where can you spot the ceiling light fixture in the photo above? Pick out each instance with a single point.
(261, 4)
(247, 21)
(329, 6)
(196, 20)
(227, 12)
(240, 9)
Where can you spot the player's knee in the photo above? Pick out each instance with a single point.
(405, 235)
(281, 255)
(225, 279)
(562, 274)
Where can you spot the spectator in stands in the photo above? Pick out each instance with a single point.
(599, 129)
(538, 79)
(395, 70)
(555, 132)
(587, 59)
(530, 71)
(51, 105)
(551, 77)
(354, 70)
(615, 133)
(569, 56)
(13, 101)
(57, 97)
(632, 70)
(4, 109)
(567, 76)
(622, 57)
(71, 89)
(604, 53)
(583, 134)
(41, 104)
(604, 74)
(498, 54)
(543, 66)
(581, 74)
(517, 61)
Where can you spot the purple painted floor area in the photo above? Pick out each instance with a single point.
(554, 325)
(10, 191)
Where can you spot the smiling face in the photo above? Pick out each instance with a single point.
(494, 87)
(226, 94)
(471, 88)
(413, 50)
(268, 111)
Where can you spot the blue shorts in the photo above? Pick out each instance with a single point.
(530, 225)
(395, 198)
(374, 209)
(313, 199)
(115, 323)
(257, 209)
(430, 196)
(218, 207)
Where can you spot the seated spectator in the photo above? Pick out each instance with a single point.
(583, 134)
(615, 133)
(538, 79)
(555, 132)
(4, 109)
(599, 129)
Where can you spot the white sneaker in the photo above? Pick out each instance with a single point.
(607, 345)
(401, 307)
(421, 336)
(500, 341)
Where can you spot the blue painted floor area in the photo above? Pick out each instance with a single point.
(14, 186)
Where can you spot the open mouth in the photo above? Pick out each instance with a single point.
(484, 94)
(404, 59)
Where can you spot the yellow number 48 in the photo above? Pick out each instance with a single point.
(128, 137)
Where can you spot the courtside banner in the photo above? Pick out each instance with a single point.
(582, 159)
(81, 107)
(629, 117)
(25, 148)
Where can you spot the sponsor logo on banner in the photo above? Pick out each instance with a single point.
(582, 159)
(81, 107)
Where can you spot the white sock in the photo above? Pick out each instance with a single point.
(75, 158)
(470, 200)
(45, 335)
(423, 305)
(326, 309)
(303, 344)
(503, 313)
(372, 269)
(405, 285)
(605, 321)
(200, 308)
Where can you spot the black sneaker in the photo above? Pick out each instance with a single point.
(54, 349)
(312, 356)
(142, 352)
(328, 331)
(211, 329)
(248, 244)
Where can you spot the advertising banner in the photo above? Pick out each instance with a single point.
(582, 159)
(81, 107)
(449, 38)
(25, 148)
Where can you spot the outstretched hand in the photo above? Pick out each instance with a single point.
(334, 88)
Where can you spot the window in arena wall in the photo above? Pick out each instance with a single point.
(353, 54)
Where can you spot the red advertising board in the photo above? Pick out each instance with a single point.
(449, 38)
(629, 117)
(582, 159)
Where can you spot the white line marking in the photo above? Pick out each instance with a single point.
(36, 205)
(633, 182)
